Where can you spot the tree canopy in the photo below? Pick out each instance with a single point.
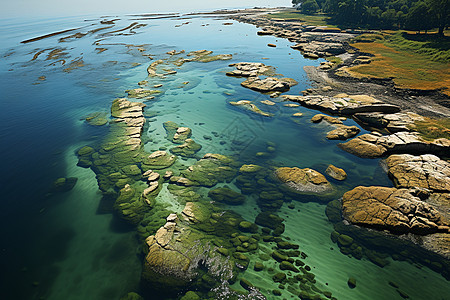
(418, 15)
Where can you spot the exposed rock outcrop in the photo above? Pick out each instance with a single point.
(246, 69)
(424, 171)
(177, 250)
(372, 145)
(269, 84)
(346, 105)
(303, 180)
(397, 210)
(392, 122)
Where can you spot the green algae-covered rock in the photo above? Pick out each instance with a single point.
(226, 195)
(279, 257)
(250, 168)
(285, 265)
(351, 282)
(158, 160)
(175, 133)
(211, 169)
(259, 266)
(246, 226)
(279, 277)
(344, 240)
(86, 150)
(131, 296)
(130, 205)
(286, 245)
(188, 149)
(246, 284)
(132, 170)
(63, 184)
(141, 93)
(270, 220)
(174, 257)
(333, 211)
(96, 119)
(85, 156)
(190, 295)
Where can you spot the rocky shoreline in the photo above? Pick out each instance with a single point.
(320, 41)
(420, 178)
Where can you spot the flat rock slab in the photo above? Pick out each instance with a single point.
(247, 69)
(346, 105)
(424, 171)
(269, 84)
(372, 145)
(392, 122)
(397, 210)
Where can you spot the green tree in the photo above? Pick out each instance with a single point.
(309, 6)
(440, 12)
(418, 18)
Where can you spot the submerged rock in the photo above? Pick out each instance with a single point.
(188, 149)
(226, 195)
(63, 184)
(211, 169)
(130, 205)
(336, 173)
(158, 160)
(251, 107)
(97, 119)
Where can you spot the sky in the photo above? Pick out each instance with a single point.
(38, 8)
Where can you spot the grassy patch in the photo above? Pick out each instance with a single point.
(414, 62)
(431, 129)
(316, 19)
(335, 60)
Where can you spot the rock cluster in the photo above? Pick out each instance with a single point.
(313, 41)
(263, 85)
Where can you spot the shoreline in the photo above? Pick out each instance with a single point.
(429, 103)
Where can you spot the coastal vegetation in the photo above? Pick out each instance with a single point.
(412, 61)
(419, 15)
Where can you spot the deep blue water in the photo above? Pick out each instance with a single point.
(59, 246)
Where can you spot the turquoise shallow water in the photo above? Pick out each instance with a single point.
(64, 246)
